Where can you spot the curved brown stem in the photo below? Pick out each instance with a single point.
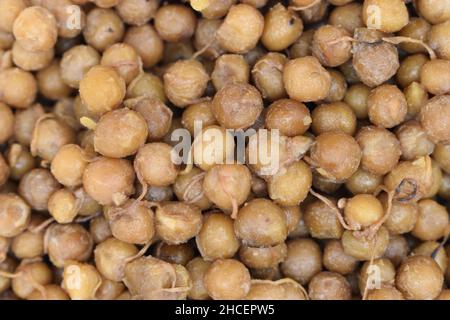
(392, 195)
(94, 292)
(87, 218)
(398, 40)
(142, 182)
(371, 231)
(205, 47)
(139, 254)
(333, 207)
(36, 285)
(41, 226)
(379, 189)
(442, 244)
(114, 212)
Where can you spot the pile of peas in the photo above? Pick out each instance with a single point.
(92, 90)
